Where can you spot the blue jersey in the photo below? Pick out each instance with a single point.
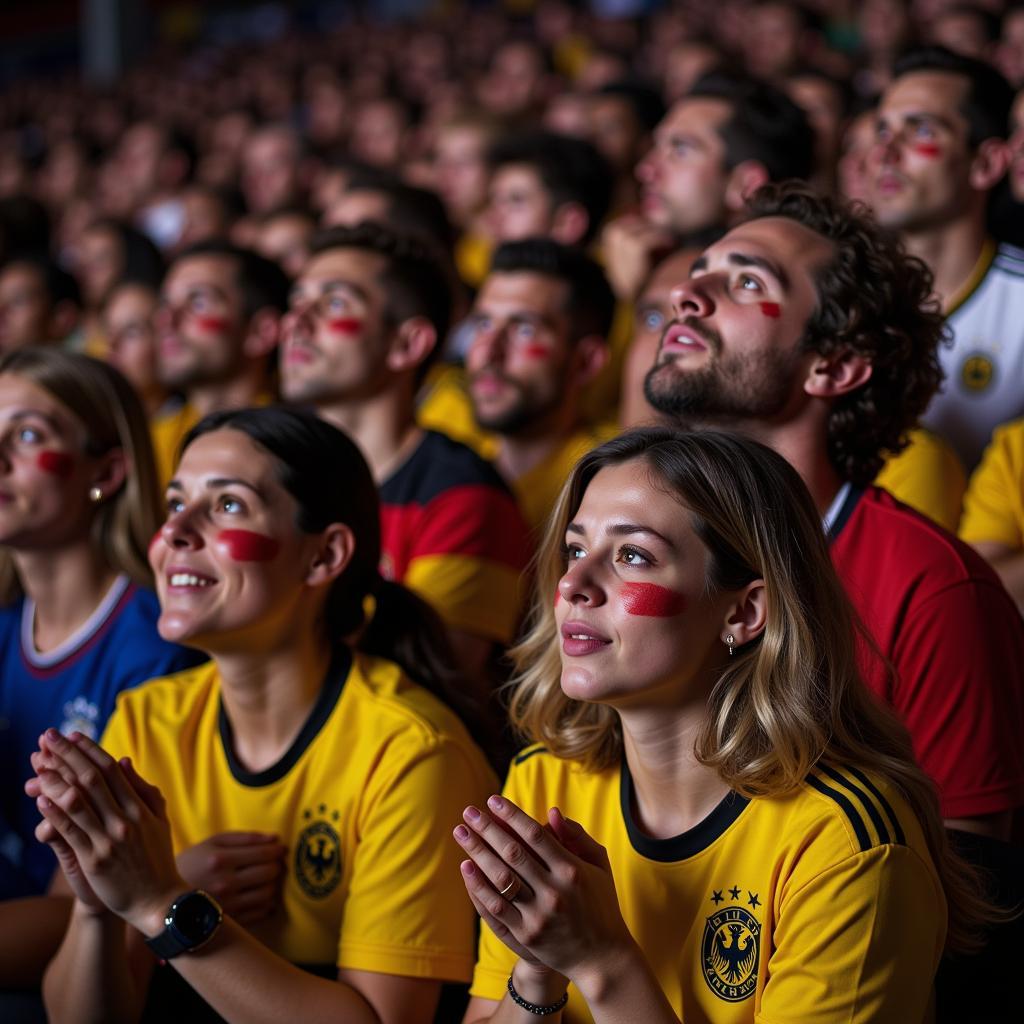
(70, 688)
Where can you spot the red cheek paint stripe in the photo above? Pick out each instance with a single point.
(56, 463)
(212, 323)
(650, 600)
(248, 546)
(345, 325)
(536, 351)
(928, 149)
(772, 309)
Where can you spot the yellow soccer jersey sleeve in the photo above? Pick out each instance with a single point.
(994, 505)
(365, 800)
(818, 907)
(928, 476)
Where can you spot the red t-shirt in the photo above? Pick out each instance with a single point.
(939, 613)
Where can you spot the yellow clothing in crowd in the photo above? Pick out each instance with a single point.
(928, 476)
(364, 799)
(818, 906)
(994, 505)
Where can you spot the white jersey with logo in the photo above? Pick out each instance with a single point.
(984, 366)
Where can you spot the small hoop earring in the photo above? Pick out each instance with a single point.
(730, 640)
(95, 494)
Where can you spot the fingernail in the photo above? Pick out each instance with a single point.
(468, 868)
(471, 814)
(53, 736)
(461, 833)
(495, 803)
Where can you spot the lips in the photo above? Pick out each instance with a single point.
(298, 353)
(579, 639)
(888, 183)
(487, 383)
(682, 338)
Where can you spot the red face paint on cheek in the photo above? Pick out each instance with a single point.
(651, 600)
(928, 149)
(212, 323)
(56, 463)
(345, 325)
(536, 351)
(247, 546)
(772, 309)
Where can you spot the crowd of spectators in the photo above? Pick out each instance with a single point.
(327, 360)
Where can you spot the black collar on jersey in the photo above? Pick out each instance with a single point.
(330, 691)
(845, 511)
(689, 843)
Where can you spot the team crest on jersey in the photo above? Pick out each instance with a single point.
(977, 372)
(318, 856)
(730, 948)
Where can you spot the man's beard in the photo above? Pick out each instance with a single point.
(518, 417)
(726, 390)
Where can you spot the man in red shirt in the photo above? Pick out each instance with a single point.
(810, 330)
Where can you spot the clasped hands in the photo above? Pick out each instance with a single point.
(560, 912)
(109, 830)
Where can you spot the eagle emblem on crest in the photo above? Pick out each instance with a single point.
(318, 859)
(729, 953)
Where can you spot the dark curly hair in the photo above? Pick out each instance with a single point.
(876, 300)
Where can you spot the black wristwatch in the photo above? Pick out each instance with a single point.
(191, 922)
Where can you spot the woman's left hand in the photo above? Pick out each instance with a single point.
(562, 910)
(115, 825)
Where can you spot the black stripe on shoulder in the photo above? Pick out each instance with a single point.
(525, 755)
(851, 812)
(885, 805)
(866, 802)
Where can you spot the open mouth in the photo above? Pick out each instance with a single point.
(180, 580)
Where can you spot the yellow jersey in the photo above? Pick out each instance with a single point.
(819, 906)
(928, 476)
(994, 506)
(364, 799)
(167, 432)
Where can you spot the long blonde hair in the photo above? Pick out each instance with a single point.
(788, 701)
(112, 416)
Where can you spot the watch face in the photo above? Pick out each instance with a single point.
(194, 917)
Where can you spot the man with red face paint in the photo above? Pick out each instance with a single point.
(217, 326)
(940, 150)
(788, 330)
(366, 315)
(538, 334)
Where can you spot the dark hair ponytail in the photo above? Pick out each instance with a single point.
(326, 474)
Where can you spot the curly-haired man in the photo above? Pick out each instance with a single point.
(810, 329)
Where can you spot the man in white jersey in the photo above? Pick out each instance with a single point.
(940, 149)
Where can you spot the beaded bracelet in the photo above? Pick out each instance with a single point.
(540, 1011)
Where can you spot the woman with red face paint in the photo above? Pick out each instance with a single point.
(78, 505)
(716, 821)
(305, 724)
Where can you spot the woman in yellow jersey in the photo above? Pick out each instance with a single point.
(325, 776)
(716, 821)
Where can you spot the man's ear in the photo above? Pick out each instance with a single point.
(569, 223)
(332, 556)
(747, 616)
(412, 342)
(837, 374)
(990, 164)
(743, 181)
(263, 333)
(589, 358)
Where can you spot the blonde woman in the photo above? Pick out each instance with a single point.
(717, 822)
